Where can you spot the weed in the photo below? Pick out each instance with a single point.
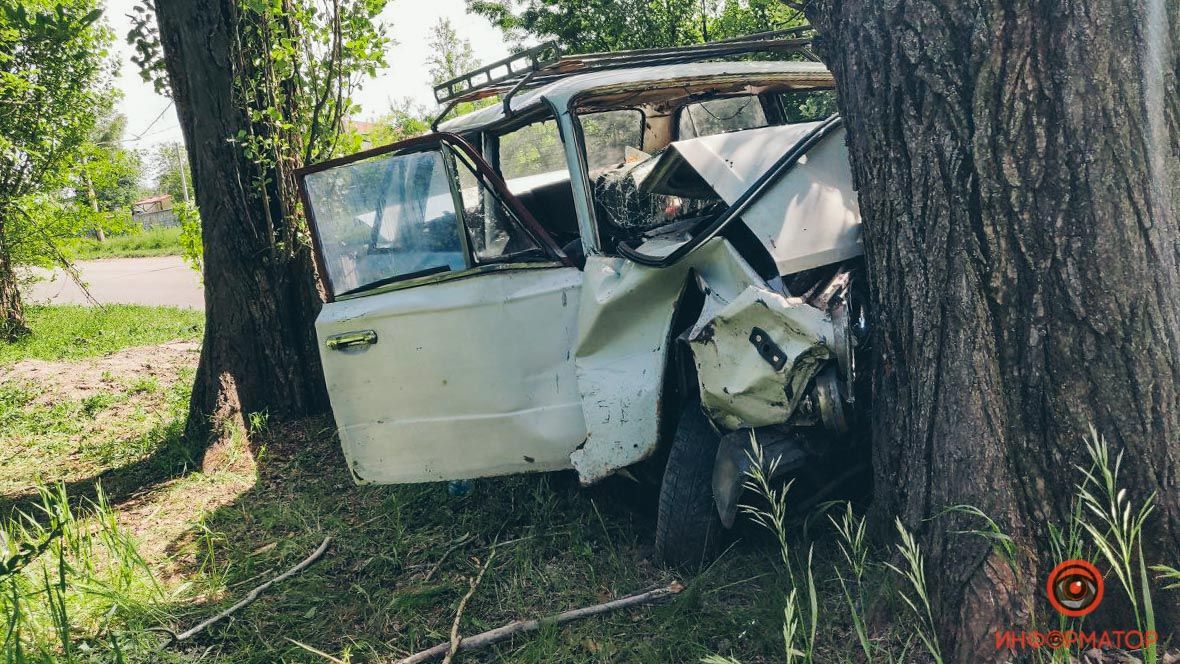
(851, 532)
(259, 423)
(914, 573)
(144, 385)
(80, 588)
(797, 623)
(1117, 531)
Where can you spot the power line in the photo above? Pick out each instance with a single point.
(154, 133)
(152, 124)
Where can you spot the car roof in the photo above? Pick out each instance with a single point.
(560, 92)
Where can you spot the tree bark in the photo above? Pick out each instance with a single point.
(1018, 166)
(259, 354)
(12, 314)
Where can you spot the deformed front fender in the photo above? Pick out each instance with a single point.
(624, 338)
(756, 354)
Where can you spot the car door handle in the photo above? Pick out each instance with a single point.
(352, 340)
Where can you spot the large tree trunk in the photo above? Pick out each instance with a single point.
(259, 353)
(12, 314)
(1017, 165)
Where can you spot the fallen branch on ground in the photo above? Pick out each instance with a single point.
(249, 598)
(455, 638)
(465, 538)
(499, 634)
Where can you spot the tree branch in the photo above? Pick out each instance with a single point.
(512, 629)
(249, 598)
(456, 639)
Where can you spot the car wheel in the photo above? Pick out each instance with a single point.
(688, 528)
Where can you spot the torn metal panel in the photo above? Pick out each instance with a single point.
(779, 453)
(622, 348)
(756, 354)
(809, 218)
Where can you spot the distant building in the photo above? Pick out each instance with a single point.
(154, 212)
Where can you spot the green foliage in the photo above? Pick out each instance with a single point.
(54, 73)
(92, 191)
(449, 55)
(405, 119)
(105, 167)
(583, 26)
(168, 162)
(295, 67)
(308, 59)
(190, 234)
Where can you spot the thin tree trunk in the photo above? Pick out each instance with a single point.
(12, 314)
(1018, 165)
(259, 352)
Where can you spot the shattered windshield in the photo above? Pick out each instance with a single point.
(385, 219)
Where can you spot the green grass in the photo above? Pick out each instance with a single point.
(169, 543)
(70, 332)
(151, 242)
(126, 432)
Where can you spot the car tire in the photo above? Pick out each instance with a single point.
(688, 528)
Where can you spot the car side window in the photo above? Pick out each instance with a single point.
(717, 116)
(494, 234)
(531, 154)
(384, 219)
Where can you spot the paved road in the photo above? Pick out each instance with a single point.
(163, 280)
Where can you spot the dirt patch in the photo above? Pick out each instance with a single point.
(112, 419)
(84, 378)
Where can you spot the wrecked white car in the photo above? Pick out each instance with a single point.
(629, 261)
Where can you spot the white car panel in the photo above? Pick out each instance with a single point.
(470, 377)
(623, 344)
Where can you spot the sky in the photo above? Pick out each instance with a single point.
(152, 120)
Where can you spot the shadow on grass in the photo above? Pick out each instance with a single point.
(402, 557)
(169, 458)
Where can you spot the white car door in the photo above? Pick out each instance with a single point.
(447, 343)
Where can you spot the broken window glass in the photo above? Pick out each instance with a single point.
(630, 208)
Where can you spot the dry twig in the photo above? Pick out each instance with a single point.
(455, 638)
(499, 634)
(249, 598)
(463, 539)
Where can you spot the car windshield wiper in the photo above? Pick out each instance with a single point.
(399, 277)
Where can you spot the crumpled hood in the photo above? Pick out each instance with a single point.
(808, 219)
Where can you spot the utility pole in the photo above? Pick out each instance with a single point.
(98, 234)
(183, 181)
(704, 21)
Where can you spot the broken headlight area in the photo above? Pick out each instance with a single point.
(780, 369)
(765, 358)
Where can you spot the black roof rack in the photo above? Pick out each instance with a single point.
(545, 63)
